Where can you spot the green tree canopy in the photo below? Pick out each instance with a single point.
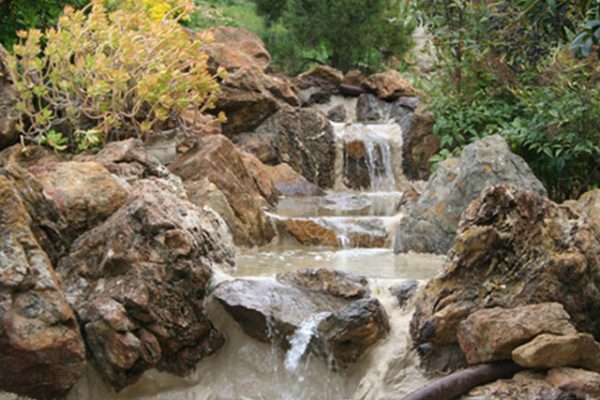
(346, 33)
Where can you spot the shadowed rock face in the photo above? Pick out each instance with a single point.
(273, 311)
(430, 226)
(137, 283)
(9, 116)
(513, 248)
(42, 352)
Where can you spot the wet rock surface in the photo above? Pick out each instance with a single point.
(404, 292)
(42, 353)
(513, 249)
(431, 225)
(137, 283)
(371, 109)
(273, 310)
(218, 160)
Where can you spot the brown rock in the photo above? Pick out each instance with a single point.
(42, 353)
(305, 141)
(217, 159)
(579, 381)
(338, 113)
(85, 192)
(310, 232)
(335, 283)
(513, 248)
(235, 48)
(245, 100)
(200, 125)
(419, 145)
(369, 233)
(262, 177)
(389, 85)
(550, 351)
(283, 89)
(484, 336)
(9, 116)
(288, 182)
(137, 282)
(318, 84)
(354, 77)
(261, 145)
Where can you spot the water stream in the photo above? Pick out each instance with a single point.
(247, 369)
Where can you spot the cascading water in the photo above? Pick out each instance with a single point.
(301, 339)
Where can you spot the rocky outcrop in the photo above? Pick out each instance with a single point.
(261, 145)
(304, 140)
(318, 84)
(419, 142)
(389, 85)
(235, 48)
(9, 116)
(290, 183)
(42, 353)
(137, 283)
(217, 159)
(430, 226)
(346, 321)
(513, 249)
(482, 336)
(550, 351)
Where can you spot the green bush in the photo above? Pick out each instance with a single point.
(110, 74)
(16, 15)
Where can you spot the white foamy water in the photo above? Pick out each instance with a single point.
(301, 339)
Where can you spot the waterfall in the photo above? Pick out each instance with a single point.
(301, 339)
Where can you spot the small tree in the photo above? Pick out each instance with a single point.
(345, 33)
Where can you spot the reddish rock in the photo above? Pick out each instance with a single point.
(137, 282)
(262, 177)
(578, 381)
(389, 85)
(483, 337)
(85, 192)
(288, 182)
(235, 48)
(217, 159)
(42, 354)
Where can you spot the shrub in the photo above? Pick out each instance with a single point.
(16, 15)
(102, 75)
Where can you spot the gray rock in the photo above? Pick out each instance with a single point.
(346, 322)
(404, 291)
(431, 225)
(371, 108)
(338, 113)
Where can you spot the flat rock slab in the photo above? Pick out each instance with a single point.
(272, 311)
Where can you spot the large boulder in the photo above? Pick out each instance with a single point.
(430, 226)
(235, 48)
(261, 145)
(137, 283)
(419, 142)
(9, 116)
(513, 248)
(305, 140)
(217, 159)
(42, 353)
(261, 175)
(288, 182)
(332, 307)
